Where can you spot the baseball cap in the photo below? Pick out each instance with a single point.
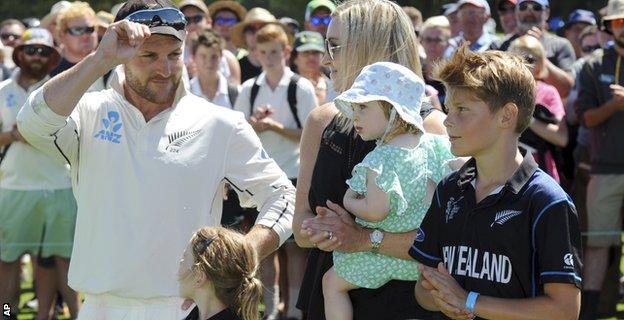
(478, 3)
(581, 16)
(309, 41)
(315, 4)
(544, 3)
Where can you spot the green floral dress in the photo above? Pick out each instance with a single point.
(403, 174)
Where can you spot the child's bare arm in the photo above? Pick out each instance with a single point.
(374, 206)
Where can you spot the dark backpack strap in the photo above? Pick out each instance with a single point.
(254, 93)
(232, 93)
(292, 98)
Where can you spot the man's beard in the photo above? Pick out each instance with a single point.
(148, 94)
(34, 70)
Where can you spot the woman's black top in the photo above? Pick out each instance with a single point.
(338, 153)
(225, 314)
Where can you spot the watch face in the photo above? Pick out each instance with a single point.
(377, 236)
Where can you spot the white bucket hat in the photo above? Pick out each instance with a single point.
(390, 82)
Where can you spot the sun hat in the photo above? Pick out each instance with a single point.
(42, 37)
(309, 41)
(230, 5)
(255, 15)
(614, 10)
(199, 4)
(390, 82)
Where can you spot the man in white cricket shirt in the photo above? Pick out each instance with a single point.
(148, 160)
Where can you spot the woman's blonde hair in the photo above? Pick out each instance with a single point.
(230, 263)
(375, 30)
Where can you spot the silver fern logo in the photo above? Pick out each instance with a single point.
(504, 216)
(452, 207)
(177, 139)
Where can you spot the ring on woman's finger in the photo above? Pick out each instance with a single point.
(330, 235)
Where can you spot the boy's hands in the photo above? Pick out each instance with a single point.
(446, 292)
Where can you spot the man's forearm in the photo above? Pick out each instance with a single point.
(292, 134)
(596, 116)
(63, 92)
(559, 79)
(264, 239)
(6, 138)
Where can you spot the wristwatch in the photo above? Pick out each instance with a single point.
(375, 238)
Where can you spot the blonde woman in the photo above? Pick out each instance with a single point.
(218, 271)
(356, 37)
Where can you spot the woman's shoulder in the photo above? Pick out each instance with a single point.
(322, 115)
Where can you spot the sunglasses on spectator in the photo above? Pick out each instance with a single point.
(41, 51)
(433, 40)
(78, 31)
(165, 17)
(331, 49)
(12, 36)
(316, 20)
(614, 24)
(590, 49)
(225, 21)
(503, 9)
(534, 6)
(195, 19)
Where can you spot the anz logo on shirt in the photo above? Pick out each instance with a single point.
(112, 125)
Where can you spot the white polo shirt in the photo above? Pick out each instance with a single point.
(221, 98)
(24, 167)
(143, 188)
(285, 151)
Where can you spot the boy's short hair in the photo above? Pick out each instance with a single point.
(208, 38)
(272, 32)
(494, 77)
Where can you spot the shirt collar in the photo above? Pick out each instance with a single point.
(521, 176)
(222, 87)
(284, 81)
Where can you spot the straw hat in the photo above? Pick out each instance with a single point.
(230, 5)
(255, 15)
(614, 10)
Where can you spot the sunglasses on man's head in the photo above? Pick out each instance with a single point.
(316, 20)
(78, 31)
(7, 36)
(225, 21)
(533, 5)
(41, 51)
(194, 19)
(165, 17)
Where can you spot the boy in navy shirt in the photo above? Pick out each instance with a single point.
(501, 239)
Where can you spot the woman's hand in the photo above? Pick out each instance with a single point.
(336, 223)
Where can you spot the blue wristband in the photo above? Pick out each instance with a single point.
(471, 301)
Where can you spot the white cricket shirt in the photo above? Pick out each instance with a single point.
(143, 188)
